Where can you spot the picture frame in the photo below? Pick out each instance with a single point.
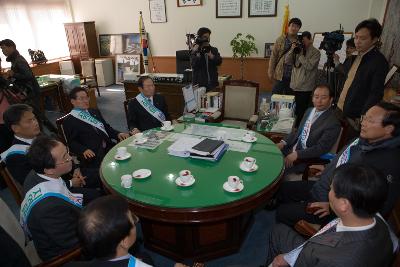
(262, 8)
(229, 8)
(268, 50)
(124, 43)
(186, 3)
(126, 63)
(391, 73)
(158, 13)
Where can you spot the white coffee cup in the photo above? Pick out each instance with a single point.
(234, 182)
(221, 135)
(249, 135)
(139, 137)
(185, 176)
(121, 151)
(167, 124)
(249, 162)
(126, 181)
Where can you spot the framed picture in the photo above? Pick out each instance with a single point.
(229, 8)
(262, 8)
(391, 73)
(126, 63)
(183, 3)
(268, 49)
(125, 43)
(158, 12)
(318, 38)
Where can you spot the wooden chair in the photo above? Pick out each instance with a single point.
(13, 185)
(60, 129)
(60, 260)
(240, 103)
(126, 102)
(89, 76)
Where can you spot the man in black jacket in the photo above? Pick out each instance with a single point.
(378, 146)
(88, 134)
(364, 84)
(205, 60)
(147, 110)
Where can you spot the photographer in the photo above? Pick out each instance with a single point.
(304, 73)
(205, 60)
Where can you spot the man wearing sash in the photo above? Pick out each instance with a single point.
(378, 146)
(88, 134)
(147, 110)
(49, 212)
(358, 237)
(107, 229)
(318, 132)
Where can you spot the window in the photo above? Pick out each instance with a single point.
(35, 24)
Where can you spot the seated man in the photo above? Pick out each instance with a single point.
(147, 110)
(318, 131)
(377, 146)
(107, 229)
(21, 120)
(88, 134)
(358, 237)
(49, 211)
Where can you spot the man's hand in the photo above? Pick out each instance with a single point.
(323, 208)
(210, 55)
(134, 131)
(88, 154)
(79, 178)
(292, 157)
(122, 136)
(195, 48)
(279, 261)
(318, 167)
(280, 145)
(180, 265)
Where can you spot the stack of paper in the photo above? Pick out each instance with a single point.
(181, 146)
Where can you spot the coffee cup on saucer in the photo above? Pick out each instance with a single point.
(249, 162)
(122, 152)
(185, 176)
(126, 181)
(234, 182)
(139, 137)
(221, 135)
(166, 124)
(249, 135)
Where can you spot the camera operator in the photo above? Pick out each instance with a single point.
(365, 77)
(281, 61)
(304, 73)
(205, 60)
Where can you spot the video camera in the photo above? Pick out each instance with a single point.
(192, 39)
(299, 44)
(332, 41)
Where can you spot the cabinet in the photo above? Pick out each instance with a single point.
(82, 42)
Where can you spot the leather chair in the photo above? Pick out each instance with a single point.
(126, 102)
(12, 184)
(240, 103)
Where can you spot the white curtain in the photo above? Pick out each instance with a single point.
(35, 24)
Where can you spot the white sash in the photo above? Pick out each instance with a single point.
(150, 108)
(85, 116)
(43, 190)
(305, 133)
(345, 156)
(14, 149)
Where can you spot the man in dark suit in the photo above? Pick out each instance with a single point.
(147, 110)
(317, 133)
(88, 134)
(358, 237)
(49, 211)
(378, 146)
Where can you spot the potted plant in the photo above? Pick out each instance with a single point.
(242, 47)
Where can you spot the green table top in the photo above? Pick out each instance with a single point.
(160, 189)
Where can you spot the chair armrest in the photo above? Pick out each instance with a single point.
(216, 114)
(62, 259)
(305, 228)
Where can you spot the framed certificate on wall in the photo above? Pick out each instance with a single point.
(157, 11)
(228, 8)
(262, 8)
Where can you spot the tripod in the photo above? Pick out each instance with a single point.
(332, 77)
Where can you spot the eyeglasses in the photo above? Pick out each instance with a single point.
(368, 119)
(65, 161)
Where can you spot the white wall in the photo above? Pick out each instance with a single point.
(120, 16)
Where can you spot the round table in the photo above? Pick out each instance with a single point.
(201, 221)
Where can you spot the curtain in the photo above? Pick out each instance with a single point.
(35, 24)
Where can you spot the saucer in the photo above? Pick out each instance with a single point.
(243, 168)
(227, 188)
(170, 128)
(139, 142)
(252, 140)
(180, 183)
(127, 156)
(141, 173)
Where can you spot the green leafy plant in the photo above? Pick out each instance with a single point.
(242, 47)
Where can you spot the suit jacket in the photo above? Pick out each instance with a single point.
(105, 263)
(369, 248)
(200, 68)
(52, 222)
(139, 118)
(18, 164)
(368, 85)
(323, 135)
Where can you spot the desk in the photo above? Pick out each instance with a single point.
(203, 221)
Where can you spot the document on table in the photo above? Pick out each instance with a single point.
(181, 146)
(211, 131)
(238, 146)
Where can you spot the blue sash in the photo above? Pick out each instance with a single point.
(13, 150)
(85, 116)
(345, 156)
(150, 108)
